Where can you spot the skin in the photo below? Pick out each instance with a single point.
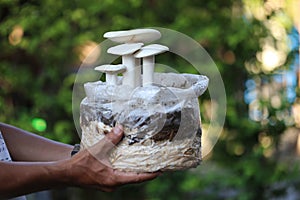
(45, 164)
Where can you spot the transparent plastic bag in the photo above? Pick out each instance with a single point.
(161, 121)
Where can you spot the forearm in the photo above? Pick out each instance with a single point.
(25, 146)
(88, 168)
(19, 178)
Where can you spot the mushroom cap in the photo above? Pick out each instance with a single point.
(134, 35)
(151, 50)
(111, 69)
(125, 49)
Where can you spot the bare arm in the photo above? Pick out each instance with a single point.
(88, 168)
(18, 178)
(26, 146)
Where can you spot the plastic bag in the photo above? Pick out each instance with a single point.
(161, 121)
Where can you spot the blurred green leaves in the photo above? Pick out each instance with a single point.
(41, 50)
(39, 124)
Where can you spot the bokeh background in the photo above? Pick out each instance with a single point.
(254, 43)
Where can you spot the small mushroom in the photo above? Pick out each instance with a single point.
(148, 53)
(132, 36)
(132, 76)
(112, 72)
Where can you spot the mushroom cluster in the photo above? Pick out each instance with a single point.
(133, 53)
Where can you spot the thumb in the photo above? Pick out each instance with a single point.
(102, 148)
(115, 135)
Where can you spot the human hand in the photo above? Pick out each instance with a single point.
(90, 167)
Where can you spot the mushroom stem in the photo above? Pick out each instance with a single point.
(132, 75)
(148, 70)
(112, 72)
(111, 79)
(148, 53)
(138, 72)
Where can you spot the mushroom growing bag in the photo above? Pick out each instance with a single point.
(162, 127)
(159, 111)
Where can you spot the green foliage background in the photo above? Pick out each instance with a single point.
(37, 76)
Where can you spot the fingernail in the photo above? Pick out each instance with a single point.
(118, 130)
(120, 126)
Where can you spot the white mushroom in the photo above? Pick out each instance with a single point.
(132, 36)
(112, 72)
(132, 76)
(148, 53)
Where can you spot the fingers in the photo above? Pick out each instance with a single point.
(115, 135)
(131, 177)
(111, 139)
(101, 149)
(122, 178)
